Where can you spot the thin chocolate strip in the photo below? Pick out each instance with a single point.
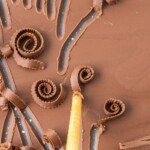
(43, 90)
(53, 138)
(81, 74)
(5, 19)
(113, 108)
(11, 96)
(64, 55)
(136, 144)
(62, 17)
(27, 44)
(27, 4)
(50, 9)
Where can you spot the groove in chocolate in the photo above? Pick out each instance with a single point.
(64, 55)
(27, 4)
(62, 18)
(5, 15)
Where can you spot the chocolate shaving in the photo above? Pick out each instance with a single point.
(27, 44)
(16, 2)
(110, 2)
(3, 103)
(10, 95)
(113, 108)
(44, 90)
(139, 143)
(81, 74)
(53, 138)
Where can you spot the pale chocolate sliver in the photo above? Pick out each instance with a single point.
(44, 98)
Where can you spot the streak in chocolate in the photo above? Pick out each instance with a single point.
(113, 108)
(27, 4)
(50, 9)
(5, 15)
(62, 17)
(64, 55)
(44, 90)
(1, 36)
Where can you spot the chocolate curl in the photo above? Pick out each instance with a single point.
(11, 96)
(139, 143)
(53, 138)
(81, 74)
(113, 108)
(44, 90)
(28, 44)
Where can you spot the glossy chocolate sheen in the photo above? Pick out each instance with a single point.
(116, 45)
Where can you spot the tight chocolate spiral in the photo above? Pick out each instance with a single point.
(113, 108)
(44, 90)
(81, 74)
(27, 44)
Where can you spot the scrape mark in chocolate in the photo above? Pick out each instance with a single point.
(63, 58)
(33, 123)
(22, 128)
(27, 4)
(50, 9)
(16, 2)
(4, 14)
(39, 5)
(35, 126)
(6, 126)
(62, 17)
(21, 125)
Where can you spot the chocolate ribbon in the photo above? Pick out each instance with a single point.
(81, 74)
(53, 138)
(10, 96)
(44, 90)
(27, 44)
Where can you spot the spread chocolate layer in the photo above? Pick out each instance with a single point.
(113, 39)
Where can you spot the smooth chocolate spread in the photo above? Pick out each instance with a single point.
(44, 40)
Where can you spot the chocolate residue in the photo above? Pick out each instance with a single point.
(44, 90)
(141, 144)
(5, 14)
(28, 44)
(62, 17)
(64, 55)
(50, 9)
(27, 4)
(53, 138)
(113, 108)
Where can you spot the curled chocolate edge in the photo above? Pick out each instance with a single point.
(113, 108)
(50, 136)
(81, 74)
(24, 57)
(41, 94)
